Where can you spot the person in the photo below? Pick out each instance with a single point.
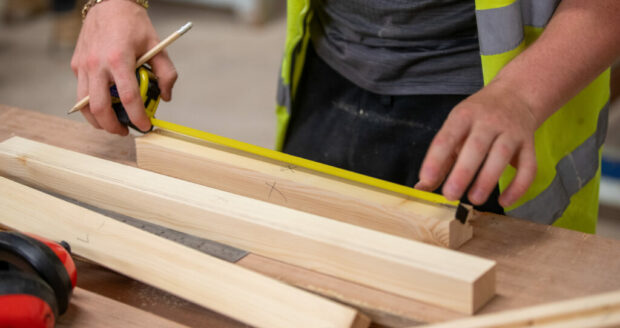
(395, 90)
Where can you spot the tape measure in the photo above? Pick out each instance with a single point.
(149, 91)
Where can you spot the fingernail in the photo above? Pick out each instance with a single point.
(476, 196)
(450, 192)
(505, 201)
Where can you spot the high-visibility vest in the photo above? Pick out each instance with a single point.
(568, 144)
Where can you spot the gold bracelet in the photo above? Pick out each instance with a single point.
(91, 3)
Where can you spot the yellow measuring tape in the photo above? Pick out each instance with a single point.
(302, 162)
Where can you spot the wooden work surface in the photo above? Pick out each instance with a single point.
(535, 263)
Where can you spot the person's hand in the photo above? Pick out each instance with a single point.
(482, 135)
(114, 34)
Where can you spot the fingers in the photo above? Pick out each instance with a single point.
(441, 154)
(128, 90)
(469, 161)
(82, 91)
(501, 153)
(526, 172)
(166, 74)
(101, 105)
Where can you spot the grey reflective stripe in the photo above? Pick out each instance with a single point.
(537, 13)
(501, 29)
(283, 94)
(573, 172)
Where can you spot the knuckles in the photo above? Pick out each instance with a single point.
(169, 77)
(443, 139)
(92, 62)
(480, 144)
(128, 96)
(97, 110)
(74, 65)
(504, 150)
(116, 59)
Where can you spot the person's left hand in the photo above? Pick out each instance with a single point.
(483, 134)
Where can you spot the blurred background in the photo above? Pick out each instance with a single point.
(227, 64)
(228, 67)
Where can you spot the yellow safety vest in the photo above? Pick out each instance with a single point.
(568, 144)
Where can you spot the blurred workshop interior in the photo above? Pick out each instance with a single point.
(228, 67)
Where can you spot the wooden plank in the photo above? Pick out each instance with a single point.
(88, 309)
(396, 265)
(538, 264)
(239, 293)
(107, 283)
(597, 311)
(535, 263)
(59, 131)
(383, 308)
(300, 188)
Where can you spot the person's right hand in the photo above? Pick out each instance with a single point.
(114, 34)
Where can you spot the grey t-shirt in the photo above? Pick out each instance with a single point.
(400, 47)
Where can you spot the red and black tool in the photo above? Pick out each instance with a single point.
(37, 277)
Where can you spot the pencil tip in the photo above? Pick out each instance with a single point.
(185, 27)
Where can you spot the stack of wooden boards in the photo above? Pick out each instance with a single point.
(396, 265)
(354, 252)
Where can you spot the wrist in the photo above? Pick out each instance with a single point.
(517, 97)
(91, 3)
(520, 94)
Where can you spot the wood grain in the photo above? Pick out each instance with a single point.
(384, 308)
(88, 309)
(67, 134)
(597, 311)
(535, 263)
(239, 293)
(300, 188)
(110, 284)
(404, 267)
(540, 264)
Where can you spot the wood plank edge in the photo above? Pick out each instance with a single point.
(88, 233)
(446, 231)
(54, 168)
(600, 310)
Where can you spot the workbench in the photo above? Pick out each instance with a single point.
(535, 263)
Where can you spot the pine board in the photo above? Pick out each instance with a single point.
(404, 267)
(300, 188)
(224, 287)
(535, 263)
(596, 311)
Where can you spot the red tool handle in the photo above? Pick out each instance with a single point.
(63, 253)
(22, 310)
